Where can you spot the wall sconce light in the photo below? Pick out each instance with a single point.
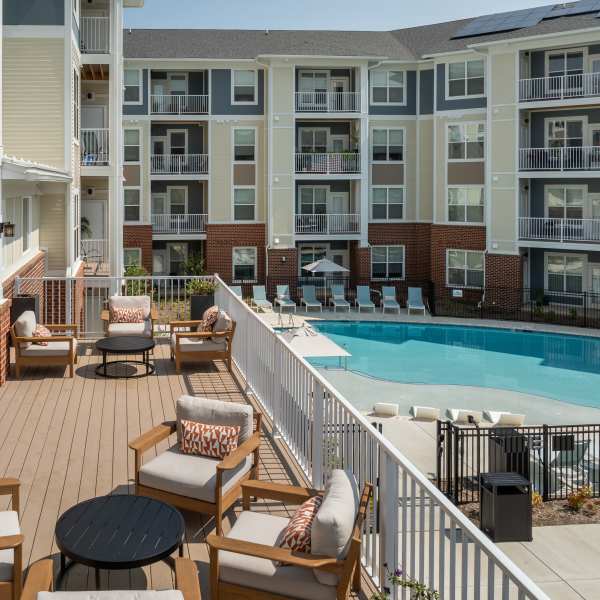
(7, 229)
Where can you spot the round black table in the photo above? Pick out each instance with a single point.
(118, 532)
(125, 344)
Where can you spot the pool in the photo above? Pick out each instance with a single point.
(561, 367)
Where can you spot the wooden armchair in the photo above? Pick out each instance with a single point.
(254, 566)
(199, 483)
(145, 328)
(11, 541)
(40, 579)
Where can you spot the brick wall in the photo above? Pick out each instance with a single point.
(503, 270)
(36, 267)
(360, 264)
(139, 236)
(4, 337)
(283, 269)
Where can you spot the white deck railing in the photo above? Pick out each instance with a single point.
(186, 223)
(94, 35)
(328, 102)
(560, 87)
(179, 164)
(94, 145)
(328, 224)
(559, 230)
(570, 158)
(328, 163)
(188, 104)
(94, 250)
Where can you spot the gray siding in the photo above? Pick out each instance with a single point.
(538, 60)
(536, 202)
(139, 109)
(197, 80)
(350, 73)
(426, 92)
(195, 193)
(33, 12)
(221, 95)
(411, 100)
(194, 138)
(462, 103)
(537, 126)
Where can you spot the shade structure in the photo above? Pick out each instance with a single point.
(325, 266)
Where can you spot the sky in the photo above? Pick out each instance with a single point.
(313, 14)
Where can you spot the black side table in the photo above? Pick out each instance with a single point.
(125, 344)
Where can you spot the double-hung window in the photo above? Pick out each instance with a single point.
(564, 133)
(132, 80)
(466, 141)
(132, 257)
(564, 273)
(388, 145)
(131, 145)
(465, 78)
(244, 145)
(565, 202)
(387, 262)
(465, 268)
(244, 203)
(387, 203)
(465, 204)
(244, 86)
(244, 264)
(388, 87)
(313, 200)
(131, 204)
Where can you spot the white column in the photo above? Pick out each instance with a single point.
(364, 156)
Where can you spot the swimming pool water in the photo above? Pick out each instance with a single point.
(562, 367)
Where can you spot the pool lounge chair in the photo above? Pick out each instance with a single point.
(259, 298)
(460, 416)
(363, 298)
(424, 413)
(503, 418)
(237, 290)
(283, 299)
(415, 300)
(389, 302)
(309, 298)
(338, 298)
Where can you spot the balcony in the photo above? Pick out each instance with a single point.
(559, 230)
(563, 87)
(333, 224)
(179, 164)
(94, 35)
(94, 254)
(570, 158)
(175, 104)
(328, 102)
(179, 224)
(94, 147)
(328, 163)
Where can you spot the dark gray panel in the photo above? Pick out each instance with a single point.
(334, 186)
(507, 21)
(462, 103)
(195, 193)
(33, 12)
(411, 100)
(426, 92)
(335, 128)
(221, 95)
(536, 263)
(139, 109)
(538, 64)
(537, 125)
(195, 135)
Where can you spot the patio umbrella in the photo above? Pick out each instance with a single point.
(325, 266)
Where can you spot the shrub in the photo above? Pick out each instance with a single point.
(193, 265)
(536, 500)
(201, 287)
(418, 591)
(577, 499)
(136, 288)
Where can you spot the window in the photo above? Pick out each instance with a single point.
(244, 264)
(465, 204)
(244, 87)
(76, 97)
(131, 203)
(563, 62)
(464, 268)
(387, 87)
(177, 257)
(387, 203)
(132, 81)
(177, 141)
(388, 145)
(131, 144)
(244, 145)
(466, 141)
(244, 203)
(564, 273)
(465, 78)
(313, 200)
(177, 200)
(387, 262)
(132, 257)
(565, 202)
(313, 140)
(25, 223)
(564, 133)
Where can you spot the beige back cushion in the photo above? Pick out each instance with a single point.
(223, 323)
(142, 302)
(215, 412)
(25, 326)
(112, 595)
(332, 528)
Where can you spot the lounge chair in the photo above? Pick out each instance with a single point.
(237, 290)
(11, 542)
(338, 298)
(460, 416)
(415, 300)
(503, 418)
(363, 298)
(259, 298)
(309, 298)
(424, 413)
(283, 299)
(115, 326)
(388, 299)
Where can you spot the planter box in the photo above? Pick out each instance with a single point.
(198, 304)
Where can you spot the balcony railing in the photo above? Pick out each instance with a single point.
(570, 158)
(328, 163)
(328, 224)
(560, 87)
(328, 101)
(94, 34)
(559, 230)
(94, 251)
(94, 147)
(179, 164)
(193, 223)
(167, 104)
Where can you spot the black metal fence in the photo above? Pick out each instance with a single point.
(557, 459)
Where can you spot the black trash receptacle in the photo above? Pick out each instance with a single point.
(505, 507)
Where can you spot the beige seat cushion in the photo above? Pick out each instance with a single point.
(9, 525)
(223, 323)
(25, 326)
(189, 475)
(199, 345)
(113, 595)
(142, 302)
(52, 349)
(145, 329)
(267, 575)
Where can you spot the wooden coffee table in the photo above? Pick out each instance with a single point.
(125, 344)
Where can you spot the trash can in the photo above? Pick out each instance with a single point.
(505, 507)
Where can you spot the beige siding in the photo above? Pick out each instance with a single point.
(52, 229)
(426, 165)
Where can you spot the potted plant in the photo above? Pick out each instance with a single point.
(202, 296)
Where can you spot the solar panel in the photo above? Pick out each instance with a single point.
(567, 9)
(504, 22)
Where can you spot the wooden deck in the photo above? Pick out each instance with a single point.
(66, 440)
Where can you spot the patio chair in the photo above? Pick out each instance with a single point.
(570, 465)
(424, 413)
(11, 543)
(283, 299)
(114, 324)
(309, 298)
(463, 416)
(196, 482)
(189, 344)
(503, 418)
(59, 350)
(338, 298)
(249, 562)
(259, 298)
(415, 300)
(363, 298)
(40, 583)
(388, 299)
(237, 290)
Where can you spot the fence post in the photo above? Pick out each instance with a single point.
(545, 455)
(388, 531)
(455, 457)
(68, 298)
(585, 307)
(317, 436)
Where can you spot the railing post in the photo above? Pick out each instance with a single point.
(545, 456)
(317, 437)
(68, 299)
(389, 496)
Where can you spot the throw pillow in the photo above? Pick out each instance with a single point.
(127, 315)
(41, 331)
(297, 535)
(215, 441)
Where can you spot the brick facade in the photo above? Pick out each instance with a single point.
(140, 236)
(503, 271)
(360, 264)
(36, 267)
(282, 268)
(4, 337)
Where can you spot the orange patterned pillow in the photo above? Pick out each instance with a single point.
(209, 318)
(41, 331)
(216, 441)
(127, 315)
(296, 535)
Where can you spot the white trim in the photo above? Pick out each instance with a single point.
(466, 96)
(233, 102)
(26, 228)
(404, 87)
(139, 102)
(372, 218)
(470, 287)
(387, 261)
(387, 162)
(255, 252)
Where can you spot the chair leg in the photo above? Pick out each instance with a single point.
(219, 521)
(17, 573)
(177, 364)
(356, 577)
(214, 574)
(71, 370)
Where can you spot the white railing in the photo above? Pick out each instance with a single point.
(328, 101)
(175, 104)
(179, 164)
(94, 35)
(328, 224)
(410, 524)
(569, 158)
(94, 251)
(559, 230)
(186, 223)
(94, 147)
(328, 163)
(560, 87)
